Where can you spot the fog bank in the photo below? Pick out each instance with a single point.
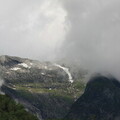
(93, 40)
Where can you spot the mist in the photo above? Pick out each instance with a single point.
(84, 32)
(31, 28)
(93, 40)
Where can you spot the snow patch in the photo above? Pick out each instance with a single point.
(8, 72)
(67, 71)
(43, 73)
(31, 63)
(15, 68)
(50, 88)
(45, 67)
(25, 65)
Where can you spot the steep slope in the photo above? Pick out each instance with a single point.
(9, 110)
(100, 101)
(9, 61)
(44, 88)
(15, 69)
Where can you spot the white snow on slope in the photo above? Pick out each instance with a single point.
(25, 65)
(31, 63)
(45, 67)
(67, 71)
(15, 68)
(42, 73)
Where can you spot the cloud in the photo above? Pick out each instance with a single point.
(94, 34)
(31, 28)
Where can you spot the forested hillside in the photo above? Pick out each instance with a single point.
(10, 110)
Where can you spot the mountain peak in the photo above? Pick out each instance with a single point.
(100, 101)
(6, 60)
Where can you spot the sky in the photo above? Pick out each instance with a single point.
(31, 28)
(93, 40)
(86, 32)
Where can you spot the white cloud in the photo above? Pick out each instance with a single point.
(31, 28)
(94, 37)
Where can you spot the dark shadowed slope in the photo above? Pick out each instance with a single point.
(100, 101)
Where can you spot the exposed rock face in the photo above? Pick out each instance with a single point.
(9, 61)
(15, 69)
(100, 101)
(44, 88)
(35, 76)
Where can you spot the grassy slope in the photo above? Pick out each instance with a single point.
(59, 89)
(53, 99)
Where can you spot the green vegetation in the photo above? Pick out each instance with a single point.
(10, 110)
(54, 99)
(66, 89)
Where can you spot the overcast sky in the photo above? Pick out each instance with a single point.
(85, 31)
(94, 37)
(31, 28)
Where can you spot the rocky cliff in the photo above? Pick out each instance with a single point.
(44, 88)
(100, 101)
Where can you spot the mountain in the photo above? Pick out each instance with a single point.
(10, 110)
(100, 101)
(44, 88)
(14, 68)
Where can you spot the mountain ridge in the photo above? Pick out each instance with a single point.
(100, 101)
(42, 86)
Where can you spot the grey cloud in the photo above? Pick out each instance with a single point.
(28, 28)
(94, 37)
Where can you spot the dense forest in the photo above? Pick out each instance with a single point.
(10, 110)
